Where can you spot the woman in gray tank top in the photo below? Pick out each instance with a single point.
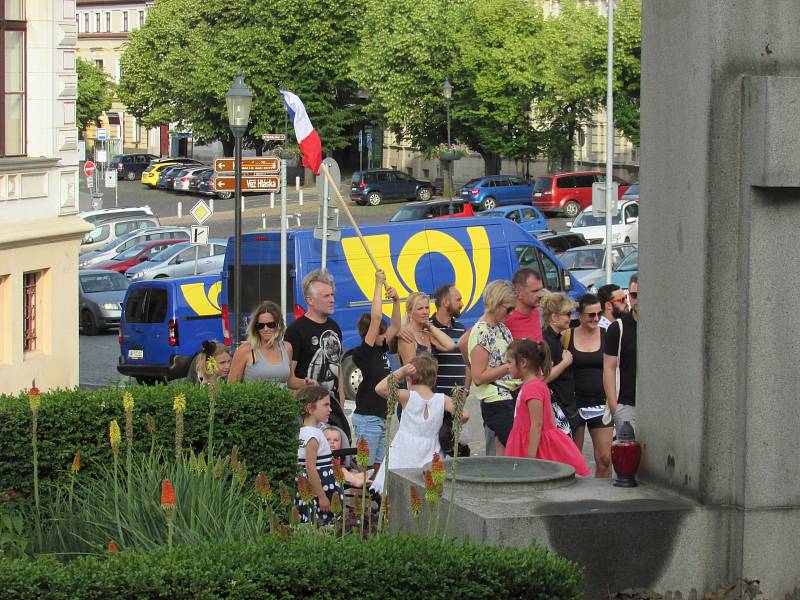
(265, 355)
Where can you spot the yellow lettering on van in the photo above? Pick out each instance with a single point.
(201, 302)
(471, 272)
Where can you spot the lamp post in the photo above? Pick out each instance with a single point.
(238, 100)
(447, 91)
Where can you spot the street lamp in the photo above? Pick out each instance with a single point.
(447, 91)
(238, 100)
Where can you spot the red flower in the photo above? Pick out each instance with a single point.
(431, 490)
(304, 489)
(338, 472)
(416, 501)
(263, 487)
(286, 499)
(167, 495)
(362, 453)
(112, 547)
(437, 471)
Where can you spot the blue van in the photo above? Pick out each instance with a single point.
(164, 322)
(415, 255)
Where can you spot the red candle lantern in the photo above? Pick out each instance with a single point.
(626, 454)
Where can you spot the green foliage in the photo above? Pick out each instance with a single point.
(95, 92)
(258, 417)
(180, 64)
(304, 567)
(627, 66)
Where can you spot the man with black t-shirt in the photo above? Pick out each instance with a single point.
(316, 341)
(622, 353)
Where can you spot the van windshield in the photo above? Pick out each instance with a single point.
(410, 213)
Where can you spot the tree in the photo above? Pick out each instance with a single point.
(627, 66)
(182, 61)
(95, 93)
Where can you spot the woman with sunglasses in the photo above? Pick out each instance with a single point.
(585, 343)
(491, 373)
(265, 355)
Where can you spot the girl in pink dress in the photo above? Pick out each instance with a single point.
(534, 434)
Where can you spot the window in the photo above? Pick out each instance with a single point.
(98, 62)
(86, 22)
(124, 20)
(97, 22)
(12, 83)
(564, 183)
(141, 18)
(584, 181)
(146, 306)
(108, 22)
(551, 278)
(631, 211)
(30, 307)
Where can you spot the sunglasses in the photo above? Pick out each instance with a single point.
(633, 295)
(622, 300)
(594, 315)
(510, 309)
(269, 325)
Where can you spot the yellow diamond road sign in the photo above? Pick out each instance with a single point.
(201, 212)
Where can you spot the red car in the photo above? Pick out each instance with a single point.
(569, 193)
(135, 255)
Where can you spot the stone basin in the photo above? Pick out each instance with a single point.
(506, 474)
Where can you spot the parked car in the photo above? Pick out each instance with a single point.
(176, 160)
(135, 255)
(106, 214)
(569, 193)
(182, 178)
(197, 177)
(376, 185)
(130, 166)
(621, 275)
(527, 217)
(588, 263)
(100, 297)
(497, 190)
(204, 184)
(151, 174)
(632, 193)
(432, 209)
(624, 226)
(166, 179)
(559, 242)
(129, 240)
(107, 231)
(181, 260)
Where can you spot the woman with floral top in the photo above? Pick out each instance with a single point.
(491, 376)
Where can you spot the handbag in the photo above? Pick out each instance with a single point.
(559, 418)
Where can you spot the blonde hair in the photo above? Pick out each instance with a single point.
(267, 307)
(411, 304)
(497, 293)
(427, 367)
(555, 303)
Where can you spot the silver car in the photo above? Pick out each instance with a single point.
(182, 179)
(110, 249)
(181, 260)
(100, 296)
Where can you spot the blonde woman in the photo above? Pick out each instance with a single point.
(557, 309)
(418, 334)
(265, 355)
(488, 342)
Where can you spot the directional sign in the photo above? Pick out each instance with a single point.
(90, 182)
(88, 168)
(111, 179)
(267, 183)
(201, 212)
(101, 134)
(269, 164)
(199, 234)
(274, 137)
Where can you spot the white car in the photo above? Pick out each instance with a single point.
(182, 179)
(624, 226)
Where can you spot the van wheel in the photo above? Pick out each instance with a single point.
(374, 198)
(489, 203)
(131, 176)
(352, 377)
(571, 209)
(88, 323)
(361, 202)
(424, 194)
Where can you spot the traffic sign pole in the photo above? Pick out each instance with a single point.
(283, 239)
(325, 192)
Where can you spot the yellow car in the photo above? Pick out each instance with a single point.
(150, 174)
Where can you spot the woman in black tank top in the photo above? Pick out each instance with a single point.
(586, 345)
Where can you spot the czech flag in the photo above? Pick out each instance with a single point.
(307, 137)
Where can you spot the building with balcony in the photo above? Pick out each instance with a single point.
(40, 231)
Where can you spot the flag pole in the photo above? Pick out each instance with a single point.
(347, 212)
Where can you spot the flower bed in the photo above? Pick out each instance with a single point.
(259, 418)
(304, 567)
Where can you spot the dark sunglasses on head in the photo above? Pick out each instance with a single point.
(594, 315)
(633, 295)
(269, 324)
(510, 309)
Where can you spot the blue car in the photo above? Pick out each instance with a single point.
(527, 217)
(497, 190)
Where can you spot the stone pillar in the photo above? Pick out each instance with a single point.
(720, 269)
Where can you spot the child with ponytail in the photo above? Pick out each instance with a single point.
(534, 434)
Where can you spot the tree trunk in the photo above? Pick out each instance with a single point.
(258, 144)
(228, 146)
(491, 163)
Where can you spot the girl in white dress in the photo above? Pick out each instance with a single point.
(417, 438)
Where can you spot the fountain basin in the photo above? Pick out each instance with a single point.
(509, 474)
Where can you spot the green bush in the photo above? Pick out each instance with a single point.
(261, 419)
(305, 567)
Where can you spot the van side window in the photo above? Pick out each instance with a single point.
(134, 307)
(584, 181)
(526, 255)
(565, 183)
(552, 280)
(155, 310)
(121, 229)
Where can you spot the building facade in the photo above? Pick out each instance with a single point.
(40, 231)
(103, 29)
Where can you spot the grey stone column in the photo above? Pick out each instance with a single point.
(719, 339)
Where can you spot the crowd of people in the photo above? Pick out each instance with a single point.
(543, 367)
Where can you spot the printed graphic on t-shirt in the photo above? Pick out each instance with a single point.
(324, 365)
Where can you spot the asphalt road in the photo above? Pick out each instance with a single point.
(98, 354)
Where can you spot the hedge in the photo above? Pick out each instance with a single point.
(258, 417)
(304, 567)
